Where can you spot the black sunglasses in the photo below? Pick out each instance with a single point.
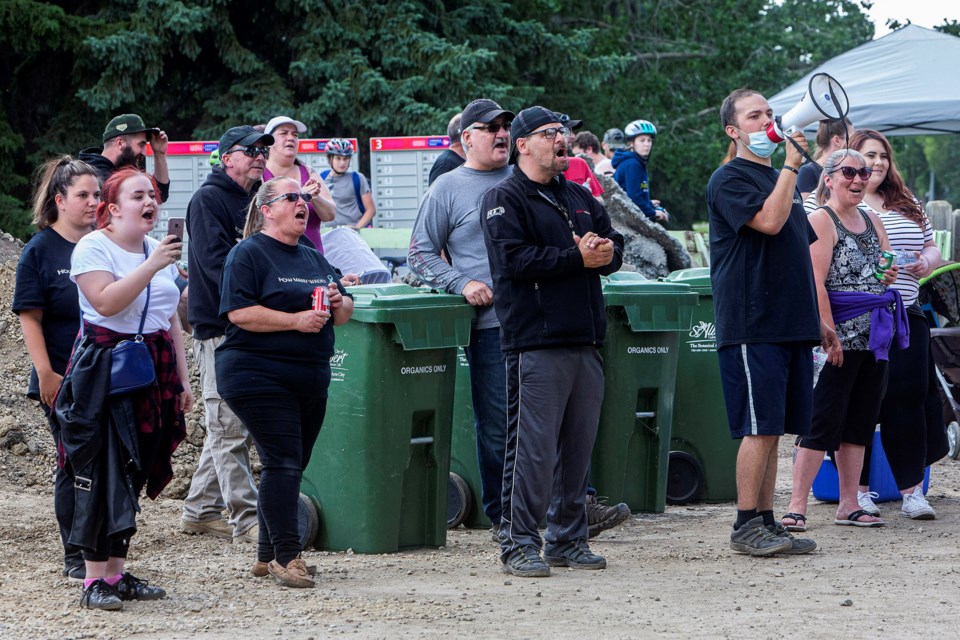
(252, 152)
(850, 173)
(293, 196)
(493, 127)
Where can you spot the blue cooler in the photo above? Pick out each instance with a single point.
(826, 486)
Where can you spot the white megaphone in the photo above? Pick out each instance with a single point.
(825, 99)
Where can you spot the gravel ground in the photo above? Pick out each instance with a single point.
(670, 575)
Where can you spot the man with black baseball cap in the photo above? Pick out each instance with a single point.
(449, 219)
(125, 143)
(215, 220)
(548, 243)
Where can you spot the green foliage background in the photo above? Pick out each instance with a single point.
(403, 67)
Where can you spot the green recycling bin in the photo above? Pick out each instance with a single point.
(464, 498)
(703, 456)
(380, 466)
(644, 318)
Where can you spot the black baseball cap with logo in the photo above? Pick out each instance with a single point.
(244, 135)
(482, 111)
(127, 123)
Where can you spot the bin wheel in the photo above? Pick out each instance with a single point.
(953, 436)
(684, 478)
(458, 501)
(308, 521)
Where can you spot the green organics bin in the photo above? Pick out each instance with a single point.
(644, 318)
(380, 466)
(464, 499)
(703, 456)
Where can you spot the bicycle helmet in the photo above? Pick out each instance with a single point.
(640, 128)
(614, 139)
(339, 147)
(215, 158)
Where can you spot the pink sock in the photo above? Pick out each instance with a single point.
(114, 580)
(89, 581)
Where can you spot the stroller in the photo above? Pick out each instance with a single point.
(940, 297)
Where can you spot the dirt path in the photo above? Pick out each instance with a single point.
(669, 576)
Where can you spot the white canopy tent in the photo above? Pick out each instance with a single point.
(905, 83)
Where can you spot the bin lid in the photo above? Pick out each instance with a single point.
(698, 278)
(422, 318)
(652, 306)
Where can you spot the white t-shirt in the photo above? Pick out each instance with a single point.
(97, 252)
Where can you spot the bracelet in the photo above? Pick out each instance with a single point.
(789, 168)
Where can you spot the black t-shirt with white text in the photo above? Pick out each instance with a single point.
(43, 282)
(266, 272)
(763, 287)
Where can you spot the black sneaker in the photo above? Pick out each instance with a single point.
(601, 517)
(75, 573)
(100, 595)
(526, 562)
(798, 546)
(576, 555)
(753, 538)
(131, 587)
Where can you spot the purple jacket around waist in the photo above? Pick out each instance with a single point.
(887, 322)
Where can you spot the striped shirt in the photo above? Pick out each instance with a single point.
(905, 234)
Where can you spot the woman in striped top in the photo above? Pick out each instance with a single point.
(911, 421)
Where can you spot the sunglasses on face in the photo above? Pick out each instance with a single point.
(850, 173)
(551, 132)
(252, 152)
(493, 127)
(291, 197)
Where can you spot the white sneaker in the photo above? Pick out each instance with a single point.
(866, 501)
(915, 506)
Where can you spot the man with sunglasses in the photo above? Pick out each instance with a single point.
(449, 220)
(215, 219)
(767, 319)
(125, 144)
(548, 241)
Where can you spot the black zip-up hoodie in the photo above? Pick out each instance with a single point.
(215, 218)
(543, 294)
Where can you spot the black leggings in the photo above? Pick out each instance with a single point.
(911, 415)
(284, 428)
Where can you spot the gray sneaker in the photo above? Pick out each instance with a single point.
(576, 555)
(798, 546)
(526, 562)
(754, 539)
(601, 516)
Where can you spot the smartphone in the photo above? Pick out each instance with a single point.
(175, 227)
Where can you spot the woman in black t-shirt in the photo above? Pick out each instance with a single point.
(45, 300)
(273, 366)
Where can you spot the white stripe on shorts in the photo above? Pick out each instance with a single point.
(746, 371)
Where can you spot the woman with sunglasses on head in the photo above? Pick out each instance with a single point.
(911, 418)
(45, 300)
(273, 367)
(118, 444)
(283, 163)
(854, 299)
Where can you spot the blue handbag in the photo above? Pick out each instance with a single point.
(132, 366)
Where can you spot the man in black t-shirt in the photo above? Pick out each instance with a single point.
(452, 157)
(766, 313)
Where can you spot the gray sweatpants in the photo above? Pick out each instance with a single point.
(553, 408)
(223, 477)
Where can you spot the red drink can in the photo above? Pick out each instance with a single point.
(320, 299)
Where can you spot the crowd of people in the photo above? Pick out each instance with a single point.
(828, 252)
(514, 223)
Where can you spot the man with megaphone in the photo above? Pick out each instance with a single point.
(765, 302)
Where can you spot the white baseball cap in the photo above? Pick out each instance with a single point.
(279, 120)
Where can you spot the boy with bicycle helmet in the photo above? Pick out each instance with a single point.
(350, 190)
(631, 168)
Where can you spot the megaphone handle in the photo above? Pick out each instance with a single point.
(802, 151)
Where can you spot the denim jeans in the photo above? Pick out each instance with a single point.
(488, 386)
